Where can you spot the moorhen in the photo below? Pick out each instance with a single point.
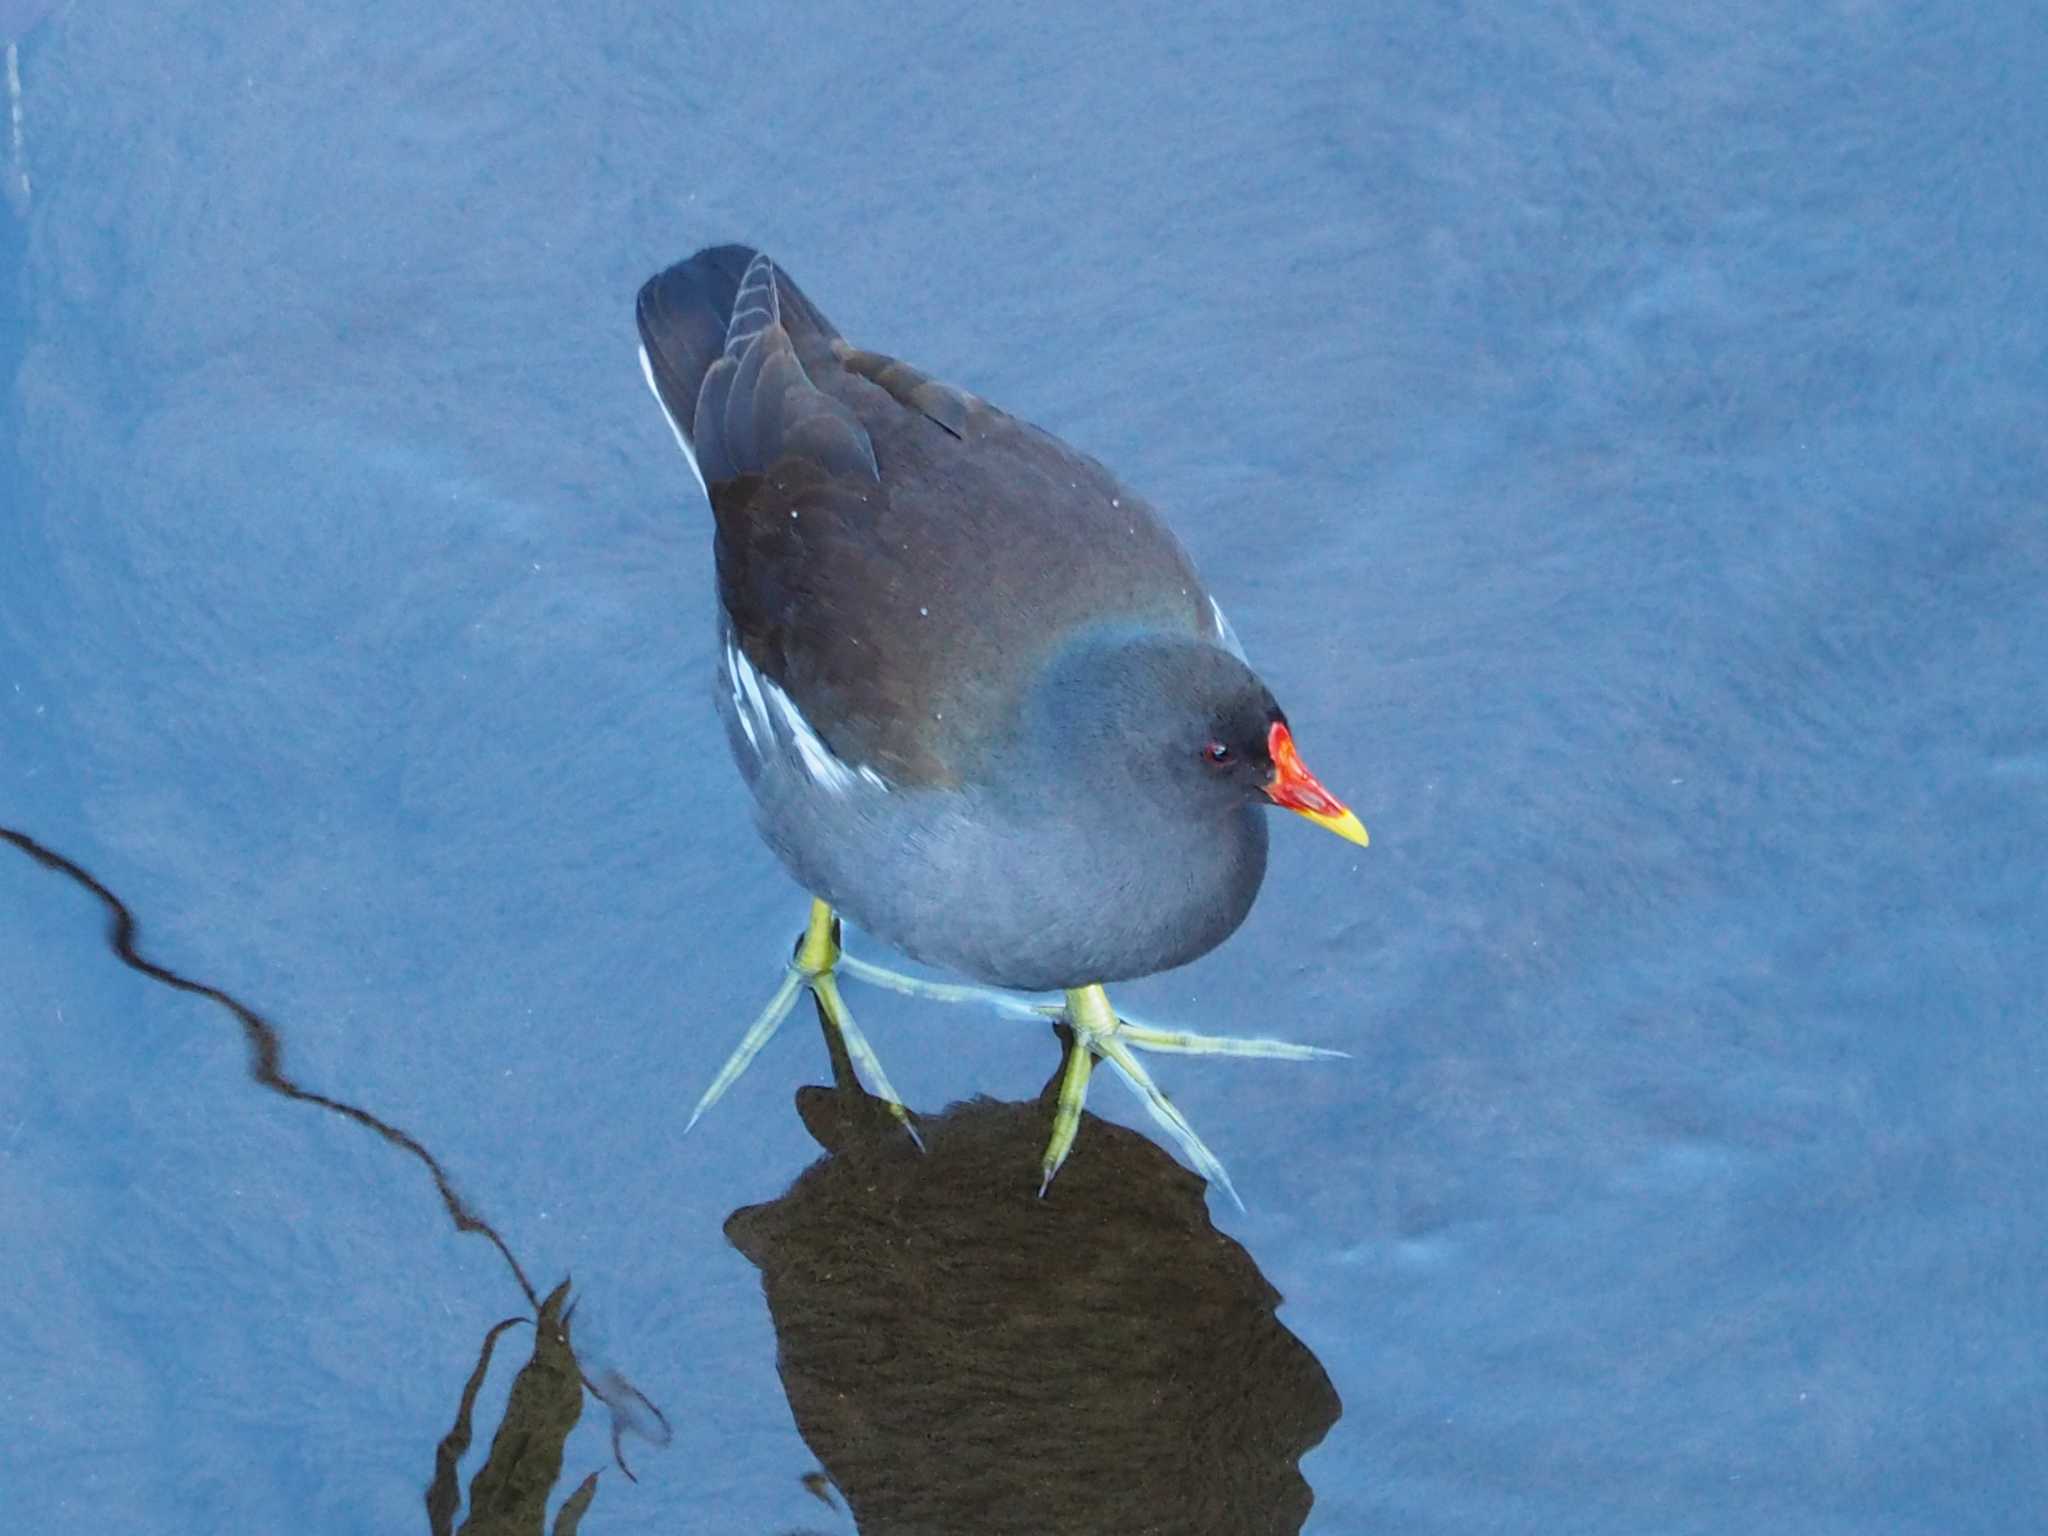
(986, 708)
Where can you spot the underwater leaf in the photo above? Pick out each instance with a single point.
(509, 1495)
(444, 1494)
(571, 1514)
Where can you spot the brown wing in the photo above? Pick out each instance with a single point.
(896, 554)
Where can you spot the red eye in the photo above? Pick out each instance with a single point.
(1218, 755)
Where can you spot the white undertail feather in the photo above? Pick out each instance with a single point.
(682, 441)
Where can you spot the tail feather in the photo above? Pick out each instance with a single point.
(684, 314)
(718, 351)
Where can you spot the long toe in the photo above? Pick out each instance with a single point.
(1100, 1031)
(865, 1061)
(1167, 1115)
(1014, 1004)
(1186, 1042)
(1066, 1115)
(758, 1034)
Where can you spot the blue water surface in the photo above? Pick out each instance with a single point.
(1618, 435)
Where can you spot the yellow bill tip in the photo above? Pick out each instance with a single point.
(1343, 823)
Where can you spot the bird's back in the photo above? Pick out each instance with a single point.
(895, 554)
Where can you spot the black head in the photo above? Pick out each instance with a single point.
(1179, 716)
(1177, 720)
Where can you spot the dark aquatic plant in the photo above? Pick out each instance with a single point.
(266, 1049)
(541, 1380)
(509, 1494)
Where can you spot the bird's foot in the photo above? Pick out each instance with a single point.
(813, 967)
(1098, 1030)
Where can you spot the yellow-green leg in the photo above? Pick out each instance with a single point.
(812, 967)
(1097, 1029)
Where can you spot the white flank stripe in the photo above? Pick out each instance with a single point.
(733, 663)
(760, 705)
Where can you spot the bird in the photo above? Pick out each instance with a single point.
(987, 710)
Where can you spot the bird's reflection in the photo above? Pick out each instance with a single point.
(961, 1355)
